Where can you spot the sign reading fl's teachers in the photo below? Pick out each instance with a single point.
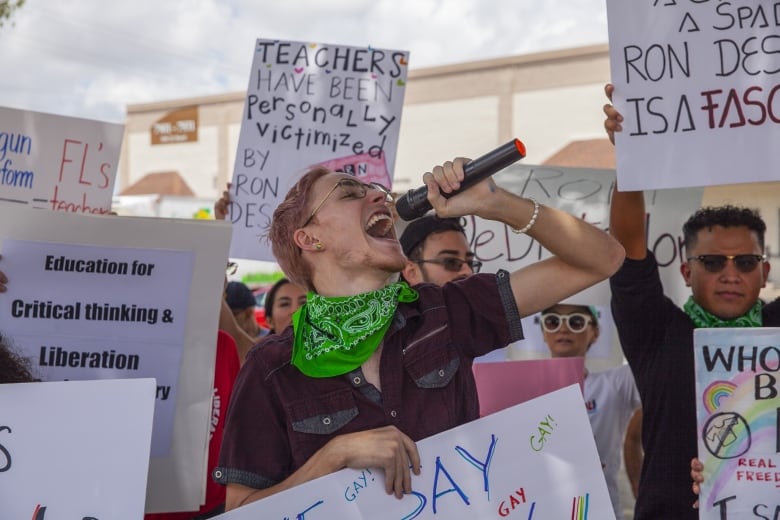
(698, 83)
(534, 461)
(308, 104)
(56, 162)
(738, 410)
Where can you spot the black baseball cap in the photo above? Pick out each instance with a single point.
(418, 230)
(239, 296)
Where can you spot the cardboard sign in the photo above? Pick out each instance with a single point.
(738, 412)
(83, 312)
(536, 460)
(311, 103)
(585, 193)
(502, 384)
(77, 449)
(697, 83)
(119, 297)
(56, 162)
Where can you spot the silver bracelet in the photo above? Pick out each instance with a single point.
(530, 222)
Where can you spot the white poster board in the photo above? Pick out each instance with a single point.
(77, 449)
(535, 460)
(161, 324)
(81, 312)
(57, 162)
(697, 83)
(311, 103)
(738, 413)
(585, 193)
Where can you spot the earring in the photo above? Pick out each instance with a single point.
(318, 246)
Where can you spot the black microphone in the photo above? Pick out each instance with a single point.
(414, 204)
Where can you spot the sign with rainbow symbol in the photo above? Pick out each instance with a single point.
(738, 412)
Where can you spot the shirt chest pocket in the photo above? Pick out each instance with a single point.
(431, 366)
(314, 421)
(325, 415)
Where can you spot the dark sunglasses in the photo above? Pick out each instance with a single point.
(576, 321)
(716, 263)
(453, 264)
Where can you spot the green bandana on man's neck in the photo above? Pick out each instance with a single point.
(705, 320)
(334, 336)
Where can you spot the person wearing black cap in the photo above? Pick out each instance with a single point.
(241, 301)
(437, 251)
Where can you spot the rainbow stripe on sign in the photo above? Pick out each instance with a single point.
(579, 507)
(715, 394)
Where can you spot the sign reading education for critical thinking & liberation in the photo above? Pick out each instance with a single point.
(108, 317)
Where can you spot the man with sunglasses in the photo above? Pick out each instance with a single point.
(437, 251)
(611, 396)
(725, 269)
(371, 365)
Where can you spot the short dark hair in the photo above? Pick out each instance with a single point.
(414, 235)
(724, 216)
(270, 297)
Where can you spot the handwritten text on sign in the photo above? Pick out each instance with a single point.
(585, 193)
(309, 103)
(738, 410)
(56, 162)
(698, 82)
(530, 461)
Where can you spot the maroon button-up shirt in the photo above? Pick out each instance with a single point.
(278, 417)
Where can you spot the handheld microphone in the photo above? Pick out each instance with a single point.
(414, 203)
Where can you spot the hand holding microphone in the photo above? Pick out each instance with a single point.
(414, 203)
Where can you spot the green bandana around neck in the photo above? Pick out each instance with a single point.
(334, 336)
(705, 320)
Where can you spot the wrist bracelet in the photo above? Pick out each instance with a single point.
(530, 222)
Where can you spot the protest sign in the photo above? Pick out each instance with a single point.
(585, 193)
(536, 460)
(506, 383)
(75, 450)
(87, 312)
(118, 297)
(57, 162)
(698, 83)
(308, 104)
(738, 413)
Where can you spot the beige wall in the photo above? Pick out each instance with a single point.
(547, 100)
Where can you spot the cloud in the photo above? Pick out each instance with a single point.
(91, 58)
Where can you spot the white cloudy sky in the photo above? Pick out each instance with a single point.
(90, 58)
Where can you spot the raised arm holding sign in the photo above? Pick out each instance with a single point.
(725, 268)
(697, 83)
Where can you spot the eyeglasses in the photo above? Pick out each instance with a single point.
(352, 189)
(576, 322)
(231, 268)
(716, 263)
(453, 264)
